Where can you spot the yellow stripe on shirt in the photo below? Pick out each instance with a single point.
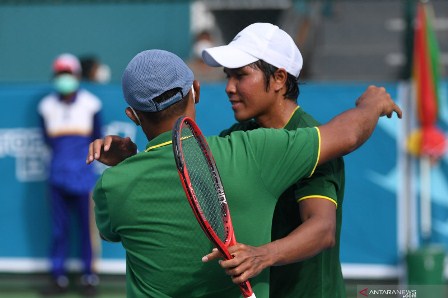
(318, 197)
(318, 152)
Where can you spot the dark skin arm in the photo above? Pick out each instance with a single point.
(343, 134)
(315, 234)
(318, 228)
(111, 150)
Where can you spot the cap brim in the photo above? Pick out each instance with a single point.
(227, 56)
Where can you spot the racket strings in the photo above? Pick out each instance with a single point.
(203, 180)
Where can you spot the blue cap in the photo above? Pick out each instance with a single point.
(152, 73)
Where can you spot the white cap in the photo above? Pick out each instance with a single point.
(259, 41)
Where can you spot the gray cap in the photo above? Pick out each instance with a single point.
(152, 73)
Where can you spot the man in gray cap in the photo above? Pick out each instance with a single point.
(141, 203)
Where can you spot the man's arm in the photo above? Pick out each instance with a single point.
(102, 214)
(349, 130)
(343, 134)
(111, 150)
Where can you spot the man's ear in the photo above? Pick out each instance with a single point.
(197, 90)
(279, 79)
(132, 115)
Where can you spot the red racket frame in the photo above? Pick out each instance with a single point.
(182, 169)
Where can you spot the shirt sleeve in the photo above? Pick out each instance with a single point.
(326, 182)
(283, 157)
(102, 216)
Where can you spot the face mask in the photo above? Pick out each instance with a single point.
(136, 116)
(66, 84)
(199, 46)
(193, 93)
(102, 74)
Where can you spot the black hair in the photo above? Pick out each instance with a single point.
(167, 95)
(268, 70)
(88, 63)
(175, 109)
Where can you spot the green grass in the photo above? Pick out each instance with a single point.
(29, 286)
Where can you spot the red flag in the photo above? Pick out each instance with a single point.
(426, 73)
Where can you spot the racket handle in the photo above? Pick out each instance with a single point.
(246, 289)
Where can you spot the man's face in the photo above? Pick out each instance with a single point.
(247, 92)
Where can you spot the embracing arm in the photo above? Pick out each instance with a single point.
(111, 150)
(342, 135)
(350, 129)
(315, 234)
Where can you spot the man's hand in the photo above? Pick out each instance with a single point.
(248, 261)
(111, 150)
(349, 130)
(378, 96)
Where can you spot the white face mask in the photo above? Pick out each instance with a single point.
(136, 116)
(102, 74)
(201, 45)
(193, 93)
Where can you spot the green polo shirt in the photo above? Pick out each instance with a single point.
(321, 275)
(141, 203)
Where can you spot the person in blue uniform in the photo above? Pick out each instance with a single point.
(70, 119)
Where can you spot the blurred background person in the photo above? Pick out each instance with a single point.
(70, 119)
(202, 71)
(92, 70)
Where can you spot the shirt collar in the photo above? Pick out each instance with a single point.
(161, 140)
(72, 100)
(293, 119)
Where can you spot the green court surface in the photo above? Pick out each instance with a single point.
(29, 286)
(111, 286)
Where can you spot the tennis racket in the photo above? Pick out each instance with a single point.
(203, 187)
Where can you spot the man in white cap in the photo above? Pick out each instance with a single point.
(263, 64)
(70, 119)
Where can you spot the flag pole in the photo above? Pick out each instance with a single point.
(425, 199)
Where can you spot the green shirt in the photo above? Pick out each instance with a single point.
(321, 275)
(141, 203)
